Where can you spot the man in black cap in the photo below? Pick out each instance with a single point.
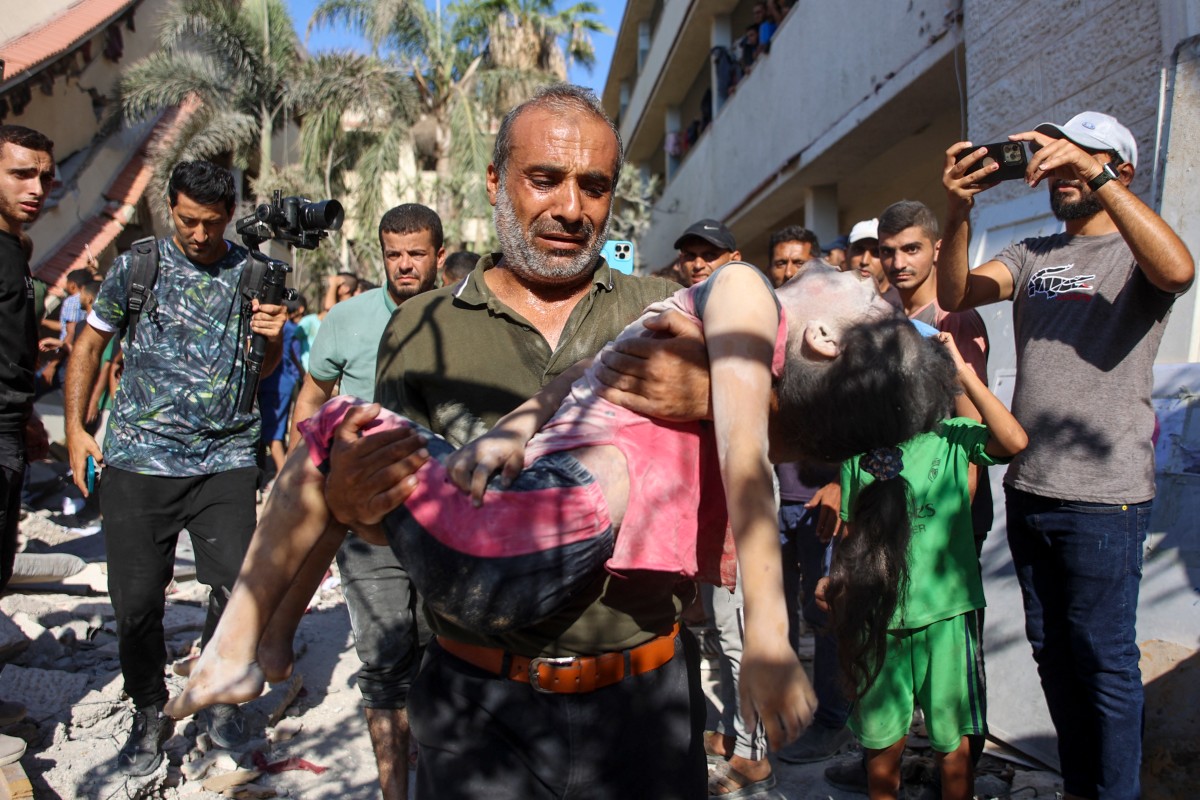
(703, 247)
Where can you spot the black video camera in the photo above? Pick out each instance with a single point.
(294, 220)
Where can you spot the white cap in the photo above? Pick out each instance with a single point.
(867, 229)
(1092, 130)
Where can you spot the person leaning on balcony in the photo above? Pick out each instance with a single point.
(1089, 308)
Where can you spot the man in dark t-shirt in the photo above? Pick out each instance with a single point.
(26, 174)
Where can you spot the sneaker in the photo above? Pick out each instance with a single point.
(818, 743)
(226, 726)
(11, 749)
(849, 776)
(142, 751)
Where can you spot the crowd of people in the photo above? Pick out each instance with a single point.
(566, 469)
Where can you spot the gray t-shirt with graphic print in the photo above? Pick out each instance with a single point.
(1088, 324)
(176, 412)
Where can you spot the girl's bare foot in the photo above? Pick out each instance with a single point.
(216, 680)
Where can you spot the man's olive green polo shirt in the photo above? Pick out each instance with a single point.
(457, 359)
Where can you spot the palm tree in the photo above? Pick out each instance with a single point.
(469, 63)
(442, 57)
(237, 60)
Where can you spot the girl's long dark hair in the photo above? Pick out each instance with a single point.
(888, 385)
(867, 579)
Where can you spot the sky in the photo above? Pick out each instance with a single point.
(610, 14)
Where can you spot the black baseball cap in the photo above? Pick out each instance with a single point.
(710, 231)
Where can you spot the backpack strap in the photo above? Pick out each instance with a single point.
(142, 275)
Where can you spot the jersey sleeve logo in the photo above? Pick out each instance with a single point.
(1052, 283)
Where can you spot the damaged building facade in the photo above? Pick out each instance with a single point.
(852, 109)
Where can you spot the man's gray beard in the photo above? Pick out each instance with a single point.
(523, 256)
(1081, 209)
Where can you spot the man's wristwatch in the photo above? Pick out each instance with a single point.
(1107, 173)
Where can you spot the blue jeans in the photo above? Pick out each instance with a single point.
(799, 528)
(1079, 566)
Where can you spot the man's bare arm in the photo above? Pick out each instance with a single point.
(312, 395)
(81, 376)
(958, 286)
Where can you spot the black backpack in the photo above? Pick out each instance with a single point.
(142, 275)
(144, 272)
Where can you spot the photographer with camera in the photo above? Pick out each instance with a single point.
(1089, 308)
(180, 452)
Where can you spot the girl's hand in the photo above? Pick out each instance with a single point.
(948, 341)
(774, 688)
(819, 594)
(501, 449)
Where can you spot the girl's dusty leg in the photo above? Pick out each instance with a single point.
(607, 465)
(292, 525)
(958, 772)
(276, 653)
(883, 771)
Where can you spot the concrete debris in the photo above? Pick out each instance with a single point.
(200, 766)
(12, 639)
(228, 780)
(284, 730)
(290, 691)
(44, 692)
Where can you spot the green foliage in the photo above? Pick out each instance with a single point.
(237, 59)
(633, 203)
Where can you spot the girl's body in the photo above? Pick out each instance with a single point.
(930, 650)
(744, 338)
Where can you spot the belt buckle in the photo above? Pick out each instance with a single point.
(553, 661)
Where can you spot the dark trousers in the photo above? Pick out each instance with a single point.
(387, 621)
(485, 736)
(12, 475)
(143, 515)
(1079, 566)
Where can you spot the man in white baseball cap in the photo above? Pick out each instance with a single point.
(1097, 133)
(1089, 308)
(862, 255)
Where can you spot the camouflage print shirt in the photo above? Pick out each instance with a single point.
(175, 412)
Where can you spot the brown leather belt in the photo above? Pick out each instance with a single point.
(569, 674)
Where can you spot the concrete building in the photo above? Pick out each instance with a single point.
(62, 60)
(853, 109)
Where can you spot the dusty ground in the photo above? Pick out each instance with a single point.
(59, 657)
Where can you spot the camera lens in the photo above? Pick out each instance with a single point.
(326, 215)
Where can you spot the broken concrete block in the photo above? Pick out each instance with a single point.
(220, 783)
(290, 690)
(196, 769)
(93, 707)
(12, 639)
(284, 730)
(28, 625)
(44, 692)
